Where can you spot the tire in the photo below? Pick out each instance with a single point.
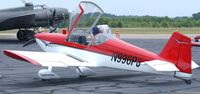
(20, 35)
(45, 80)
(82, 76)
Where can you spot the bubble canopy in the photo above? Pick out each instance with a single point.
(84, 18)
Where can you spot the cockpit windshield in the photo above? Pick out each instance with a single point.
(40, 7)
(101, 38)
(82, 20)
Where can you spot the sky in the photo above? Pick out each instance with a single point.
(170, 8)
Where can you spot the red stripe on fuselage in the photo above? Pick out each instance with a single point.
(58, 39)
(108, 48)
(119, 46)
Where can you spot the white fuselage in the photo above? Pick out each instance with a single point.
(100, 60)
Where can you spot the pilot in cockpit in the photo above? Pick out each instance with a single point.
(101, 29)
(95, 30)
(102, 33)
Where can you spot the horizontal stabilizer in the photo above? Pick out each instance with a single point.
(194, 65)
(159, 65)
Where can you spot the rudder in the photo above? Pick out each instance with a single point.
(178, 51)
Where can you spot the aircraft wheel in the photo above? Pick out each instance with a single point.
(188, 82)
(20, 35)
(82, 76)
(45, 80)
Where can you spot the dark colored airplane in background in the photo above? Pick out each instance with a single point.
(30, 16)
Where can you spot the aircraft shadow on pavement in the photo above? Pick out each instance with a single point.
(113, 78)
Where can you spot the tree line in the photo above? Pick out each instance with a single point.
(146, 21)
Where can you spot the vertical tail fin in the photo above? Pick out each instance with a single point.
(178, 51)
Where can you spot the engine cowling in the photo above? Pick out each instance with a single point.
(47, 74)
(85, 71)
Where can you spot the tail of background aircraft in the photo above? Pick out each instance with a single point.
(178, 51)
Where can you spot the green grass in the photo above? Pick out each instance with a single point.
(6, 36)
(141, 30)
(9, 31)
(156, 30)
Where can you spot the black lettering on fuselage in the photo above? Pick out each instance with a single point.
(114, 57)
(134, 60)
(119, 57)
(129, 60)
(138, 63)
(125, 59)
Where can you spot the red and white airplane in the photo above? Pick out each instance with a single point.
(80, 49)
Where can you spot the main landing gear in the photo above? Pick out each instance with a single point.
(47, 74)
(25, 34)
(188, 82)
(84, 72)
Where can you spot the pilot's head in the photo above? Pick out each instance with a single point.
(95, 30)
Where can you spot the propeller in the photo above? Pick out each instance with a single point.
(53, 21)
(29, 42)
(56, 20)
(54, 17)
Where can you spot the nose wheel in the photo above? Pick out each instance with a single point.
(20, 35)
(25, 35)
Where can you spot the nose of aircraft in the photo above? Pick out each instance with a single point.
(62, 14)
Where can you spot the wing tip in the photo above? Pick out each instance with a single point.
(18, 56)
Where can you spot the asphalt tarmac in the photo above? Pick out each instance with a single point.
(20, 77)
